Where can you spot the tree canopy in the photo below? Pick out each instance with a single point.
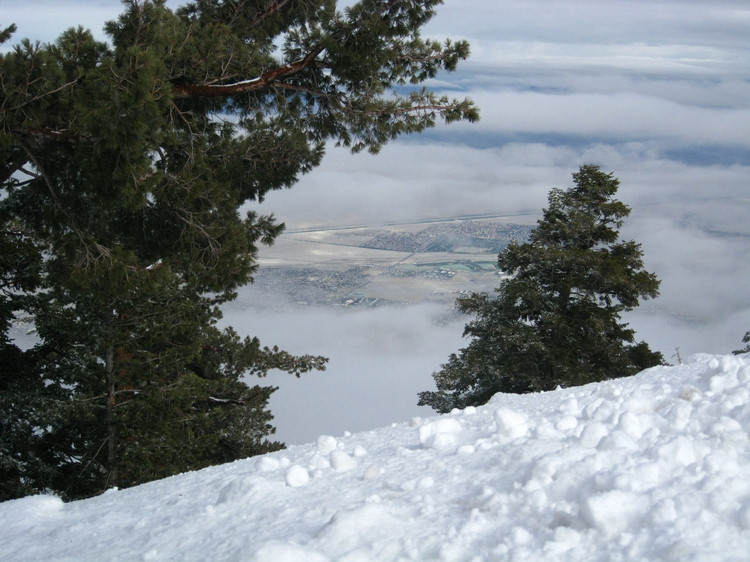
(555, 320)
(131, 173)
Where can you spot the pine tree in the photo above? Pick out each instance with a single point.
(746, 349)
(555, 321)
(128, 165)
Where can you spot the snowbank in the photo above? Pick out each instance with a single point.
(654, 467)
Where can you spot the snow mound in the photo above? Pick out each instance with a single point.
(652, 467)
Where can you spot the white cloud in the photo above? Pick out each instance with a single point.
(703, 274)
(379, 360)
(598, 22)
(618, 117)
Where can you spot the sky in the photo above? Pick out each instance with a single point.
(655, 467)
(657, 92)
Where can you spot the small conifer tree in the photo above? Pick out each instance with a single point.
(746, 349)
(556, 320)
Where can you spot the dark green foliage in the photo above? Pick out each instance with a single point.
(123, 170)
(19, 276)
(556, 320)
(746, 349)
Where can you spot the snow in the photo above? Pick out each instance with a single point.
(649, 468)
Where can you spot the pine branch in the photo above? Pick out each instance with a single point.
(50, 134)
(44, 95)
(270, 9)
(182, 91)
(90, 256)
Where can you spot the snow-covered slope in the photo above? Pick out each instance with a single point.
(654, 467)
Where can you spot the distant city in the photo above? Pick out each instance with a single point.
(397, 264)
(447, 237)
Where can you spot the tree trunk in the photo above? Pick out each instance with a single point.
(109, 362)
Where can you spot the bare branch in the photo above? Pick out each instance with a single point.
(44, 95)
(182, 91)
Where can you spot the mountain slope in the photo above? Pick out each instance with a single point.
(653, 467)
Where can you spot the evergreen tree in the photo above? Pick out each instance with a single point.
(556, 320)
(746, 349)
(127, 166)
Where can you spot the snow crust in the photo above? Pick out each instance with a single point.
(653, 467)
